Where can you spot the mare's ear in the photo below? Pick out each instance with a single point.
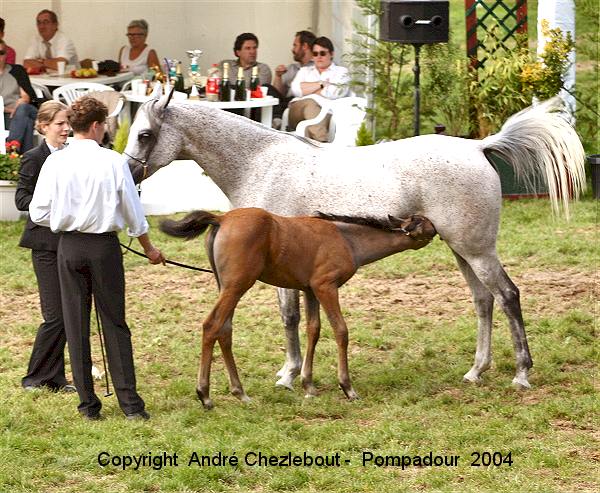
(163, 102)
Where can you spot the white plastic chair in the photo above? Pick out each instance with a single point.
(347, 114)
(70, 92)
(41, 91)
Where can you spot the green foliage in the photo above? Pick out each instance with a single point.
(363, 136)
(380, 68)
(446, 87)
(544, 78)
(9, 166)
(120, 142)
(497, 89)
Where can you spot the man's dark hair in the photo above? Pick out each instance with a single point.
(1, 25)
(53, 16)
(239, 41)
(324, 42)
(306, 37)
(84, 111)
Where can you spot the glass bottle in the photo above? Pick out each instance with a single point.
(240, 86)
(225, 86)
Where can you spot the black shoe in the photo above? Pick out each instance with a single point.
(33, 388)
(67, 389)
(139, 415)
(91, 417)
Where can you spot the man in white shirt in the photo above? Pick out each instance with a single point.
(50, 47)
(324, 79)
(302, 53)
(86, 193)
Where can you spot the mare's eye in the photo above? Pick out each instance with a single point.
(144, 136)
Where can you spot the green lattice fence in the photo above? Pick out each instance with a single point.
(502, 20)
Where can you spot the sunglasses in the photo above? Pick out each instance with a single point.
(320, 53)
(134, 34)
(2, 52)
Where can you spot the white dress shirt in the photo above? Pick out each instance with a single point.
(87, 188)
(338, 78)
(60, 46)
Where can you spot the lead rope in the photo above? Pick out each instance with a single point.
(172, 262)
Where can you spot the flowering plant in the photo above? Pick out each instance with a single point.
(10, 162)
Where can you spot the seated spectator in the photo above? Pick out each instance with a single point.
(245, 49)
(325, 79)
(50, 46)
(302, 53)
(19, 114)
(11, 56)
(138, 57)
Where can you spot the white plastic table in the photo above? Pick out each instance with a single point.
(265, 103)
(52, 79)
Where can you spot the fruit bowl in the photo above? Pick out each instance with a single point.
(84, 73)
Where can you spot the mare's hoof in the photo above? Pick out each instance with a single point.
(472, 377)
(521, 383)
(285, 382)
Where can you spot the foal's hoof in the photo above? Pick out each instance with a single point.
(351, 394)
(521, 383)
(243, 398)
(206, 401)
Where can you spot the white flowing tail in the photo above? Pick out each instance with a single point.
(539, 139)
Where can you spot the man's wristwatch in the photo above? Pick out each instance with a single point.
(322, 85)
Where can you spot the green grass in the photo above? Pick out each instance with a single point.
(408, 352)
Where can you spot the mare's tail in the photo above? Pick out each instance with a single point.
(191, 226)
(539, 140)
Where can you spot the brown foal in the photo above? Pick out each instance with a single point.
(314, 254)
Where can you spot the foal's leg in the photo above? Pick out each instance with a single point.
(328, 296)
(484, 305)
(221, 313)
(490, 272)
(235, 385)
(313, 330)
(289, 306)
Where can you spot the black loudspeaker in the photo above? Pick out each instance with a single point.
(414, 21)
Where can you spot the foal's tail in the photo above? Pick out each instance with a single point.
(540, 141)
(191, 226)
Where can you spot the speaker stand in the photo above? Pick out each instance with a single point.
(417, 83)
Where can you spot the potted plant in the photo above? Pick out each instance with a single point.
(9, 174)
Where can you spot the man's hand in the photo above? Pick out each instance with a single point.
(155, 256)
(280, 70)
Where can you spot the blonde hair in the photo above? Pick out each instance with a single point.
(47, 112)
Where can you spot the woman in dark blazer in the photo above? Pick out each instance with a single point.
(47, 362)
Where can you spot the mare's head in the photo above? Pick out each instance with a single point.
(153, 141)
(419, 228)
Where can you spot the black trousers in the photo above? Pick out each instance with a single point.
(92, 264)
(47, 361)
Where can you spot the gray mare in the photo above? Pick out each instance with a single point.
(446, 179)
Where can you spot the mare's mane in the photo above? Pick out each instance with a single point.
(361, 221)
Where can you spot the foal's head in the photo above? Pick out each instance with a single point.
(419, 228)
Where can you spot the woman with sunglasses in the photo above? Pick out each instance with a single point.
(138, 56)
(323, 79)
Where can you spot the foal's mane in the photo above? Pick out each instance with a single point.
(361, 221)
